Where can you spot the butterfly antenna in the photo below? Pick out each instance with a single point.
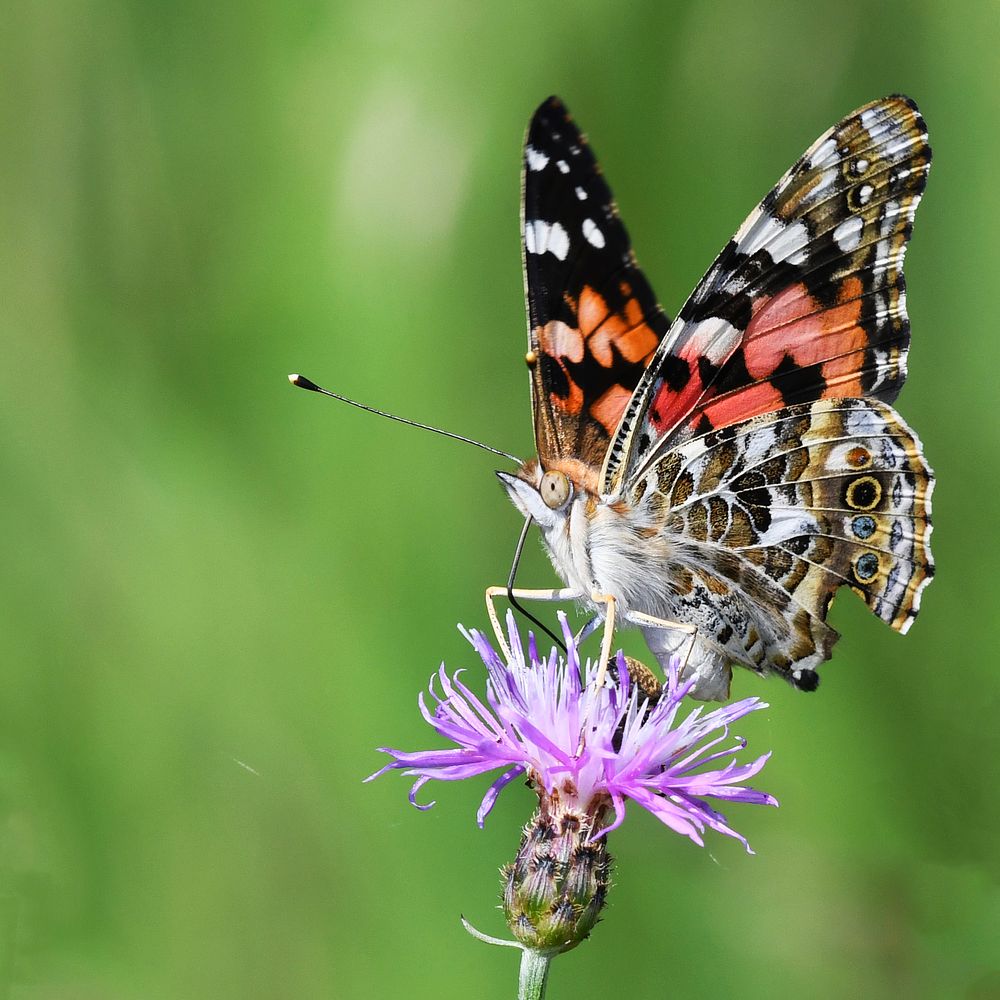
(303, 383)
(510, 587)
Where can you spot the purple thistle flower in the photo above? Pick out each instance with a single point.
(586, 751)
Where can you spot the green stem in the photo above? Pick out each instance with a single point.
(534, 974)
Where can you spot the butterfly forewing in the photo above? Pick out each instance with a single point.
(806, 302)
(593, 321)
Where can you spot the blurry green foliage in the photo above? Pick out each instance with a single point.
(220, 594)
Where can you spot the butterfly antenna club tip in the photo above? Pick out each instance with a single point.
(303, 383)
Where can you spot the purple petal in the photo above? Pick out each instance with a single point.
(542, 740)
(494, 790)
(618, 801)
(694, 759)
(417, 785)
(391, 766)
(430, 758)
(750, 795)
(486, 652)
(709, 781)
(455, 772)
(532, 648)
(572, 656)
(624, 678)
(677, 818)
(474, 712)
(701, 810)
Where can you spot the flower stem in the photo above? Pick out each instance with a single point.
(534, 974)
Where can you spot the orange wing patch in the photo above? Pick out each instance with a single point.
(613, 340)
(562, 345)
(793, 324)
(625, 331)
(793, 328)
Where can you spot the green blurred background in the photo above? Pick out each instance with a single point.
(220, 594)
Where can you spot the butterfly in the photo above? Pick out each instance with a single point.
(715, 479)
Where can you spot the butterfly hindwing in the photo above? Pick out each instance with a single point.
(769, 517)
(593, 321)
(806, 302)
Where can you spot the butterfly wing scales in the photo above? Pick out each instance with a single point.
(785, 509)
(806, 302)
(593, 320)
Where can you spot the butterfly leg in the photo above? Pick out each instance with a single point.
(564, 594)
(638, 618)
(607, 638)
(492, 593)
(602, 670)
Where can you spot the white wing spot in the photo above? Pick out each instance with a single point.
(581, 194)
(826, 178)
(537, 160)
(890, 212)
(870, 117)
(822, 154)
(559, 241)
(714, 339)
(794, 251)
(864, 193)
(895, 149)
(860, 165)
(592, 234)
(848, 234)
(563, 166)
(782, 242)
(543, 237)
(881, 264)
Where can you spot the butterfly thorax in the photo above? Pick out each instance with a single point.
(615, 546)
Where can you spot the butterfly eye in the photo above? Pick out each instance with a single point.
(556, 489)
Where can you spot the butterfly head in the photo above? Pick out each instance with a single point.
(547, 494)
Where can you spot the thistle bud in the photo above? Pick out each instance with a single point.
(554, 891)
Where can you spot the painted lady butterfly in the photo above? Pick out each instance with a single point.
(730, 470)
